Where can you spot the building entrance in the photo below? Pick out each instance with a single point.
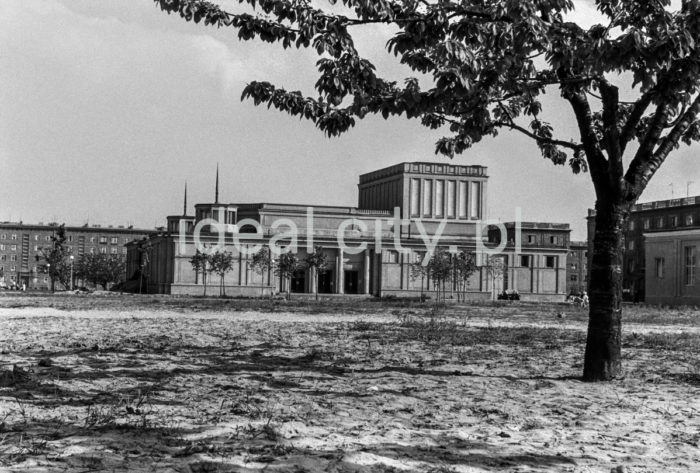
(298, 281)
(325, 282)
(351, 282)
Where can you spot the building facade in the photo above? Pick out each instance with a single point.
(402, 211)
(577, 268)
(21, 248)
(653, 223)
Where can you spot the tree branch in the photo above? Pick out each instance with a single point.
(528, 133)
(610, 96)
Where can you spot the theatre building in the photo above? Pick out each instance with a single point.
(371, 248)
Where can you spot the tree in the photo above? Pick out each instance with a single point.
(464, 265)
(488, 64)
(440, 271)
(55, 259)
(261, 263)
(285, 266)
(221, 263)
(495, 267)
(317, 264)
(419, 271)
(199, 263)
(100, 269)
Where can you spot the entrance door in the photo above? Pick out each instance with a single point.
(325, 282)
(351, 282)
(298, 282)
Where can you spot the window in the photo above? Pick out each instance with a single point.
(574, 278)
(92, 250)
(659, 267)
(674, 220)
(70, 237)
(2, 247)
(103, 240)
(550, 261)
(646, 224)
(552, 240)
(439, 198)
(123, 251)
(13, 248)
(13, 236)
(92, 239)
(3, 236)
(13, 257)
(391, 257)
(103, 250)
(47, 238)
(631, 225)
(688, 219)
(3, 257)
(689, 254)
(574, 266)
(114, 251)
(36, 237)
(427, 197)
(12, 268)
(525, 261)
(630, 245)
(36, 247)
(114, 240)
(531, 238)
(660, 222)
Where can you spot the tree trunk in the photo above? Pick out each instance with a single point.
(602, 360)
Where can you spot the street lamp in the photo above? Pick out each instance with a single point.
(48, 271)
(71, 271)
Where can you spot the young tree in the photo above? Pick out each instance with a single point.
(199, 263)
(495, 267)
(54, 259)
(317, 264)
(262, 263)
(464, 265)
(489, 63)
(418, 270)
(440, 271)
(285, 266)
(221, 263)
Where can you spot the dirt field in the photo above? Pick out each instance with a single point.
(164, 384)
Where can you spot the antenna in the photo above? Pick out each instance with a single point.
(216, 195)
(184, 208)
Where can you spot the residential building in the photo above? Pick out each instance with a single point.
(667, 225)
(577, 268)
(21, 247)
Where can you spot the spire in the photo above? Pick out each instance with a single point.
(216, 195)
(184, 208)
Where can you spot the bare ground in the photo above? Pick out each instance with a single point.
(159, 384)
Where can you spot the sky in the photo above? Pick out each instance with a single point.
(108, 107)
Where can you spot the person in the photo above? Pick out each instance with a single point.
(24, 286)
(584, 300)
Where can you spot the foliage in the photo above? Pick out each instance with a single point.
(317, 263)
(261, 263)
(100, 269)
(221, 263)
(486, 65)
(285, 266)
(199, 264)
(464, 265)
(55, 260)
(440, 272)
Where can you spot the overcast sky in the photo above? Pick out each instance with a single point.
(108, 107)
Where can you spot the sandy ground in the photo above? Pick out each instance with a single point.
(208, 391)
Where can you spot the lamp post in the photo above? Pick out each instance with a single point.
(71, 271)
(48, 271)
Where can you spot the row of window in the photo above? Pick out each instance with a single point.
(526, 261)
(660, 222)
(689, 265)
(102, 239)
(92, 250)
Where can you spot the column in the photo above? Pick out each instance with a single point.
(365, 281)
(341, 273)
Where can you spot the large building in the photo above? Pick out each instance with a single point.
(21, 245)
(660, 241)
(371, 247)
(577, 268)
